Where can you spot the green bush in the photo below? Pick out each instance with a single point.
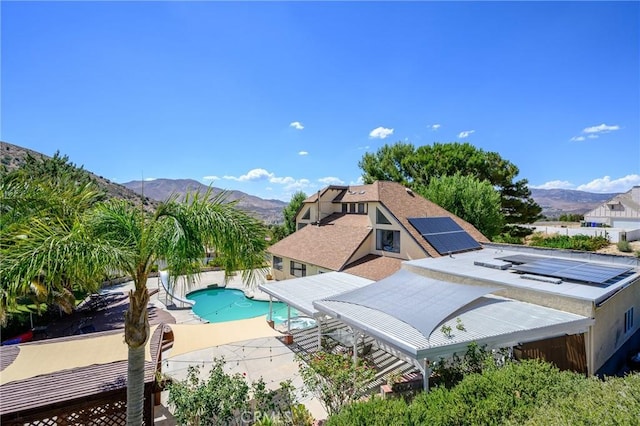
(498, 395)
(374, 412)
(576, 242)
(616, 401)
(624, 246)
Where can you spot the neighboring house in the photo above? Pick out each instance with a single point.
(621, 212)
(368, 230)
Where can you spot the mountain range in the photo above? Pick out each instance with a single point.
(160, 189)
(554, 202)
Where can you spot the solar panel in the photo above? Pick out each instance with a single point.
(444, 234)
(573, 270)
(519, 258)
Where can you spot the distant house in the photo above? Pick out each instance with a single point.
(368, 230)
(621, 212)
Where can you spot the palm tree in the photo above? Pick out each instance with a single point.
(118, 236)
(42, 207)
(178, 233)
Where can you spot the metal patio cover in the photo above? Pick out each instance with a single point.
(417, 300)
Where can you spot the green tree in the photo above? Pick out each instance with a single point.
(225, 399)
(334, 379)
(291, 210)
(473, 200)
(117, 235)
(45, 196)
(415, 167)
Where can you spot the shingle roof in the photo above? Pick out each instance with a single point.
(374, 267)
(329, 245)
(332, 244)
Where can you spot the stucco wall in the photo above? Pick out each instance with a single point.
(608, 330)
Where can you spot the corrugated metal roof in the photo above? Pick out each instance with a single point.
(394, 294)
(491, 320)
(302, 292)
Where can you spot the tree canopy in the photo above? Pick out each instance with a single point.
(416, 167)
(474, 200)
(72, 239)
(290, 211)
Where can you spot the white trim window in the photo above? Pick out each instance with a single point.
(388, 240)
(297, 269)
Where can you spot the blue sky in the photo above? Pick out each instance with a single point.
(273, 97)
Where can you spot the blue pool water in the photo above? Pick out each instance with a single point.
(224, 304)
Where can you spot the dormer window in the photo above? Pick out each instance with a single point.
(307, 215)
(354, 208)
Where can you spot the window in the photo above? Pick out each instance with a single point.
(307, 214)
(388, 240)
(277, 263)
(344, 207)
(362, 208)
(628, 320)
(301, 225)
(381, 218)
(298, 269)
(352, 208)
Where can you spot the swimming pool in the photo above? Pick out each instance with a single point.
(225, 304)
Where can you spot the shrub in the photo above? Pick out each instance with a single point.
(225, 399)
(576, 242)
(374, 412)
(624, 246)
(498, 395)
(615, 401)
(334, 379)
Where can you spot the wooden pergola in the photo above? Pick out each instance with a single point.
(88, 394)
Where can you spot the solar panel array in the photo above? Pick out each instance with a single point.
(444, 234)
(571, 270)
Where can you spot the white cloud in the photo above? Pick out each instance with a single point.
(211, 178)
(466, 133)
(577, 139)
(282, 180)
(251, 176)
(592, 136)
(358, 181)
(330, 180)
(150, 179)
(434, 127)
(380, 133)
(602, 128)
(296, 125)
(555, 184)
(303, 153)
(262, 174)
(606, 184)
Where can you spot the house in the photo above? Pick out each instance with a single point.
(367, 230)
(578, 310)
(622, 212)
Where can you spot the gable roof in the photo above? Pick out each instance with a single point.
(403, 203)
(328, 245)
